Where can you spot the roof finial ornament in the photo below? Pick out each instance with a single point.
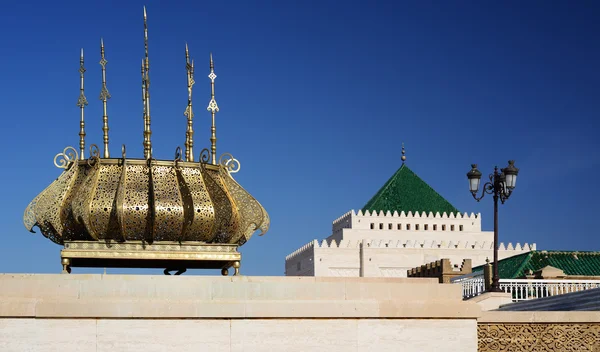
(189, 135)
(104, 96)
(81, 102)
(403, 154)
(146, 86)
(144, 104)
(213, 108)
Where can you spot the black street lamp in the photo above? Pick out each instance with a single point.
(501, 186)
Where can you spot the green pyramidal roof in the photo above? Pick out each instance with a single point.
(405, 191)
(571, 262)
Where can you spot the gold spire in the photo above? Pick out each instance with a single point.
(146, 86)
(189, 135)
(81, 102)
(213, 108)
(403, 154)
(104, 96)
(144, 103)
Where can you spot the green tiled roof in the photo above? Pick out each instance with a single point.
(405, 191)
(570, 262)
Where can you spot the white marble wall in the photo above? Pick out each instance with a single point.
(227, 335)
(388, 262)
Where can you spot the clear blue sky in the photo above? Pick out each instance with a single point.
(316, 98)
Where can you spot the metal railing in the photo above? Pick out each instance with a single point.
(473, 284)
(523, 289)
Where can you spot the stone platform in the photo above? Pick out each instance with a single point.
(210, 313)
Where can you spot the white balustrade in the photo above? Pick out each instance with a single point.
(524, 289)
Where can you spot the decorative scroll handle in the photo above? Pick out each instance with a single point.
(94, 155)
(230, 163)
(205, 156)
(178, 156)
(64, 159)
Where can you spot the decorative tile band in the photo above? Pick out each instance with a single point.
(538, 337)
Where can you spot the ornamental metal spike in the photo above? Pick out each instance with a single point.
(146, 78)
(81, 102)
(104, 96)
(213, 108)
(403, 154)
(144, 102)
(189, 135)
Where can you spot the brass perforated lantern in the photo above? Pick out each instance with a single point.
(124, 212)
(152, 201)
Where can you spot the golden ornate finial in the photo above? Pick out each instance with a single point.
(81, 102)
(403, 154)
(146, 86)
(213, 108)
(104, 96)
(189, 135)
(144, 103)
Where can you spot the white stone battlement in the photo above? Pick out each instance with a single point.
(416, 215)
(402, 221)
(344, 218)
(418, 243)
(302, 250)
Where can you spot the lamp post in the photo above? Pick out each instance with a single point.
(501, 186)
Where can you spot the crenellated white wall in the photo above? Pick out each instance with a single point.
(389, 258)
(301, 261)
(449, 227)
(378, 244)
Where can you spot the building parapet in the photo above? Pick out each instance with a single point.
(443, 270)
(410, 214)
(417, 243)
(344, 218)
(303, 249)
(409, 221)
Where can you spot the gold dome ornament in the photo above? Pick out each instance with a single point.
(147, 213)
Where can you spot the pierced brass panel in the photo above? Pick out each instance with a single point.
(72, 227)
(127, 200)
(200, 212)
(538, 337)
(136, 216)
(168, 205)
(252, 214)
(224, 216)
(81, 203)
(51, 201)
(103, 210)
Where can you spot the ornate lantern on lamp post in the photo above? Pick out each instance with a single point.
(501, 186)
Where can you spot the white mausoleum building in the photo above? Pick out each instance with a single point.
(405, 225)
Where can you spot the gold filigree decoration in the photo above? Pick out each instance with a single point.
(199, 210)
(136, 203)
(47, 207)
(538, 337)
(252, 214)
(127, 199)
